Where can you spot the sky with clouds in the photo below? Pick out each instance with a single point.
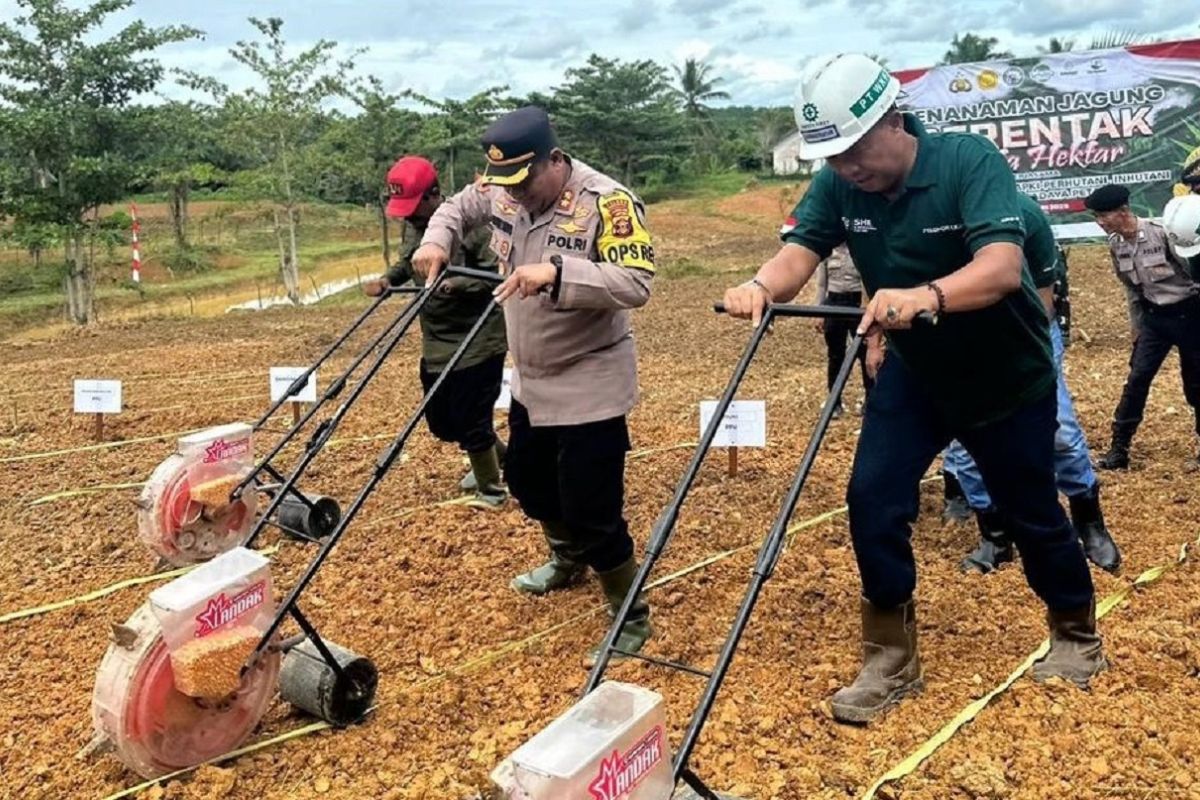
(452, 48)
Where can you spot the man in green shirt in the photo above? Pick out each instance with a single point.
(462, 410)
(933, 223)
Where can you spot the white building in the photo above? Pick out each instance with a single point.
(785, 157)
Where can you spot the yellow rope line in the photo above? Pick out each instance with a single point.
(91, 447)
(105, 591)
(917, 757)
(466, 667)
(283, 737)
(85, 490)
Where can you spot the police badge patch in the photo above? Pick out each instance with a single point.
(623, 239)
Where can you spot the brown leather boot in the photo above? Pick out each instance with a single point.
(1075, 653)
(891, 667)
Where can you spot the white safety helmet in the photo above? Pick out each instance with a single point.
(1181, 218)
(838, 99)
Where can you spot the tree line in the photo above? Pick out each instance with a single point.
(83, 124)
(77, 131)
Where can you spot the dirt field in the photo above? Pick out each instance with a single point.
(425, 594)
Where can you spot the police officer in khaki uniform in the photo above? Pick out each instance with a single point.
(574, 246)
(838, 284)
(1164, 311)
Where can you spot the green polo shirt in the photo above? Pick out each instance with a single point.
(978, 366)
(1041, 251)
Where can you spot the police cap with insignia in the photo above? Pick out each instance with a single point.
(1109, 197)
(514, 142)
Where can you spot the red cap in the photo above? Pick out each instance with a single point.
(408, 180)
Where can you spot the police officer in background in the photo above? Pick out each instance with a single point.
(577, 254)
(462, 410)
(838, 284)
(1164, 311)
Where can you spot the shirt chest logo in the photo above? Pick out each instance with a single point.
(858, 225)
(947, 228)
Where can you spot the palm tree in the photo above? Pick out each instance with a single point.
(697, 88)
(969, 48)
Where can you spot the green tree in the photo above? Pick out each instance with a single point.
(452, 132)
(621, 116)
(354, 154)
(64, 92)
(968, 48)
(181, 141)
(697, 87)
(275, 122)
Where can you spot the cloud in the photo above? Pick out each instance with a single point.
(636, 16)
(699, 6)
(1070, 17)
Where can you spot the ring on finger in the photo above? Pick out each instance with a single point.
(892, 313)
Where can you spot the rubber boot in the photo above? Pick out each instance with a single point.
(490, 492)
(954, 500)
(1088, 521)
(468, 484)
(616, 584)
(995, 548)
(557, 573)
(1076, 654)
(1117, 456)
(891, 668)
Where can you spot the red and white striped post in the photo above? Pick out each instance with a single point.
(137, 247)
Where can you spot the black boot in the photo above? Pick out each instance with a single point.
(954, 501)
(1117, 456)
(995, 548)
(1088, 520)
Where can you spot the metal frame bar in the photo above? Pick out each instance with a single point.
(382, 465)
(326, 428)
(299, 382)
(403, 320)
(770, 548)
(768, 557)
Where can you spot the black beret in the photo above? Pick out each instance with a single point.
(1109, 197)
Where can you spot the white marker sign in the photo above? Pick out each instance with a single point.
(97, 397)
(283, 377)
(745, 423)
(504, 401)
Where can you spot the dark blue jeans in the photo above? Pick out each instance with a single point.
(902, 433)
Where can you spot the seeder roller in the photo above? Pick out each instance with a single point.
(189, 675)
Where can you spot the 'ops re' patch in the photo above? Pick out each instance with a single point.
(623, 239)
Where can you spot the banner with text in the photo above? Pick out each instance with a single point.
(1070, 122)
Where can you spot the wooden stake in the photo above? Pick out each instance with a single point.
(732, 462)
(295, 413)
(99, 427)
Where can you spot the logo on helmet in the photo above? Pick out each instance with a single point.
(810, 112)
(871, 96)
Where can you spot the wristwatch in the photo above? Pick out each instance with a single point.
(556, 260)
